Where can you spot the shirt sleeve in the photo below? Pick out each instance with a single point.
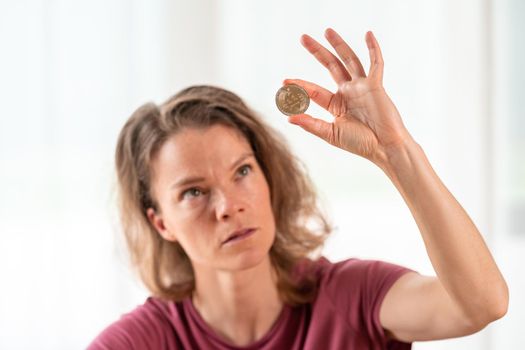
(358, 288)
(139, 329)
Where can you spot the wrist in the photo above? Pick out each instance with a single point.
(399, 158)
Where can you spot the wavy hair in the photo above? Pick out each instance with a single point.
(163, 266)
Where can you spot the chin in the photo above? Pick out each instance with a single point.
(248, 260)
(248, 254)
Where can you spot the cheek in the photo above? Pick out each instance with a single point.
(186, 221)
(187, 211)
(194, 243)
(265, 193)
(263, 202)
(178, 221)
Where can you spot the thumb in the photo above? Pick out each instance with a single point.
(313, 125)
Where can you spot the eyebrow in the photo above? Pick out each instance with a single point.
(194, 179)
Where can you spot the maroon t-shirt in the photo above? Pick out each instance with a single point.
(344, 315)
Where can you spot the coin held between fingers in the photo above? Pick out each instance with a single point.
(292, 99)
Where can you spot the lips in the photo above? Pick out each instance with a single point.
(238, 234)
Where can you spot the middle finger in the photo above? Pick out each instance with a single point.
(327, 59)
(350, 59)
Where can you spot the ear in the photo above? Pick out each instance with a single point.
(158, 223)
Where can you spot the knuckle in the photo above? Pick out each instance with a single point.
(332, 66)
(349, 61)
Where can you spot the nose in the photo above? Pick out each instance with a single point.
(228, 204)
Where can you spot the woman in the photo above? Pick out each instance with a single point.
(223, 227)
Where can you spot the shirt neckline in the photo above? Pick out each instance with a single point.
(210, 333)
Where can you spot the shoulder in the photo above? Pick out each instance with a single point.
(144, 327)
(357, 286)
(359, 273)
(355, 289)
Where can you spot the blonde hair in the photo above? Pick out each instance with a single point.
(162, 265)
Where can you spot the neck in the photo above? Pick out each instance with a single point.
(241, 306)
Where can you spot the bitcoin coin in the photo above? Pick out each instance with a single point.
(292, 99)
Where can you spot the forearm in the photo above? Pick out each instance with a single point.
(457, 251)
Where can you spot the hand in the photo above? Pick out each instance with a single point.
(366, 122)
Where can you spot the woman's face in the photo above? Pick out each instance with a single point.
(208, 185)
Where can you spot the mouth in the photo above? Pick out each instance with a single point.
(239, 235)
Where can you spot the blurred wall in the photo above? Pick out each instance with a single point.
(71, 73)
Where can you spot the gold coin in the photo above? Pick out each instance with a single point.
(292, 99)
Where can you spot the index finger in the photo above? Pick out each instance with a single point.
(320, 95)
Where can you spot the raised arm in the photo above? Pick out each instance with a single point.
(469, 291)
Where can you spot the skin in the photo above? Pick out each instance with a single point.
(235, 290)
(468, 292)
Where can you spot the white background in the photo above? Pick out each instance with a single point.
(71, 73)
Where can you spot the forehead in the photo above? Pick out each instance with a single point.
(194, 149)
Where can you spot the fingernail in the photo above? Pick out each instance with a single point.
(304, 39)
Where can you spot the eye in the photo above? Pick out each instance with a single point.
(245, 169)
(191, 192)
